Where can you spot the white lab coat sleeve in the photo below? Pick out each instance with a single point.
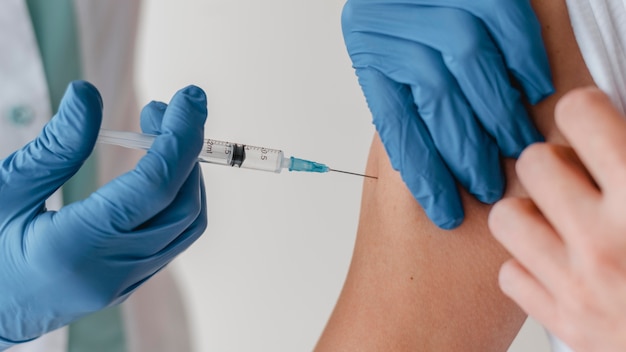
(24, 110)
(24, 98)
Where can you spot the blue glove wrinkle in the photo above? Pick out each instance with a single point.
(432, 185)
(161, 241)
(181, 242)
(157, 234)
(462, 143)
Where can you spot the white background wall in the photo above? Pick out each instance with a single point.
(266, 274)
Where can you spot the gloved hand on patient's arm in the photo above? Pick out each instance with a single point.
(56, 267)
(435, 74)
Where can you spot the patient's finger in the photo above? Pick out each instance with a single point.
(517, 283)
(597, 131)
(519, 226)
(560, 188)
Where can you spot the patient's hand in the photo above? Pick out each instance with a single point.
(569, 241)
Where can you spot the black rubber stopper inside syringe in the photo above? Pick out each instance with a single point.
(239, 155)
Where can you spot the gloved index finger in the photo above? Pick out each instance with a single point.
(411, 149)
(138, 195)
(517, 32)
(597, 131)
(481, 73)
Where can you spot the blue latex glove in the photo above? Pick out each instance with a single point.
(56, 267)
(435, 74)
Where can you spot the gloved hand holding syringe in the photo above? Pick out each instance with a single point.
(226, 153)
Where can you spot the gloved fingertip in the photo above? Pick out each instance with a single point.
(519, 135)
(158, 105)
(537, 137)
(195, 92)
(543, 92)
(85, 90)
(181, 136)
(196, 96)
(489, 196)
(74, 129)
(489, 185)
(191, 103)
(449, 217)
(152, 116)
(519, 148)
(450, 224)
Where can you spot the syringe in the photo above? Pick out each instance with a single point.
(226, 153)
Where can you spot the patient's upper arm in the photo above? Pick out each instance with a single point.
(414, 287)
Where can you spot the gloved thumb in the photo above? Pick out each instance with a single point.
(32, 174)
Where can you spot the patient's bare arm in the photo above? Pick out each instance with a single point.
(414, 287)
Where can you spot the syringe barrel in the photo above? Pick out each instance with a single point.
(217, 152)
(241, 155)
(213, 151)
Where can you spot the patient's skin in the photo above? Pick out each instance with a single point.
(414, 287)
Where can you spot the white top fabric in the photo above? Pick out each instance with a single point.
(600, 29)
(24, 110)
(558, 345)
(154, 316)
